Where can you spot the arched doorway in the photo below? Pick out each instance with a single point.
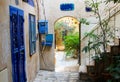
(67, 43)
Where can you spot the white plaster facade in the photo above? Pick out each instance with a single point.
(52, 14)
(32, 63)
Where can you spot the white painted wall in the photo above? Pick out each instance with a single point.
(52, 13)
(32, 62)
(4, 76)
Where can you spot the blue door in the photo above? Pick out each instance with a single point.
(17, 44)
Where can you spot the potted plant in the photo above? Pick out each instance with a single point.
(114, 69)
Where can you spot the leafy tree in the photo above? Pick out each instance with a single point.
(106, 32)
(100, 40)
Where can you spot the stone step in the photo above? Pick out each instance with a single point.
(115, 42)
(83, 76)
(115, 50)
(90, 69)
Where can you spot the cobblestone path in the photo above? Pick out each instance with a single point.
(48, 76)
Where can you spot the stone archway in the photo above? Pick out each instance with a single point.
(63, 27)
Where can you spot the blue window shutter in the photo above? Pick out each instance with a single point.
(22, 73)
(17, 44)
(31, 2)
(14, 46)
(32, 34)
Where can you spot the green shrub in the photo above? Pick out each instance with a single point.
(72, 44)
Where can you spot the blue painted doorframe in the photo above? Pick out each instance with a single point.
(17, 44)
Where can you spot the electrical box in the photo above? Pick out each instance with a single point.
(49, 40)
(43, 26)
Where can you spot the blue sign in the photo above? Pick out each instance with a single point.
(67, 7)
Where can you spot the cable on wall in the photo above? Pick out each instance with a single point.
(44, 12)
(38, 17)
(41, 48)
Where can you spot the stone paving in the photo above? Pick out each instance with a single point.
(66, 70)
(64, 64)
(48, 76)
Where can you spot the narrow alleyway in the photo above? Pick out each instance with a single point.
(64, 64)
(66, 70)
(48, 76)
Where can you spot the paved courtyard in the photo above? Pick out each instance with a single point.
(48, 76)
(64, 64)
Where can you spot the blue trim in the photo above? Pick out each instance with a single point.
(32, 34)
(31, 2)
(47, 44)
(17, 44)
(67, 7)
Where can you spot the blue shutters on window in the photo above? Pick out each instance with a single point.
(17, 44)
(31, 2)
(32, 34)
